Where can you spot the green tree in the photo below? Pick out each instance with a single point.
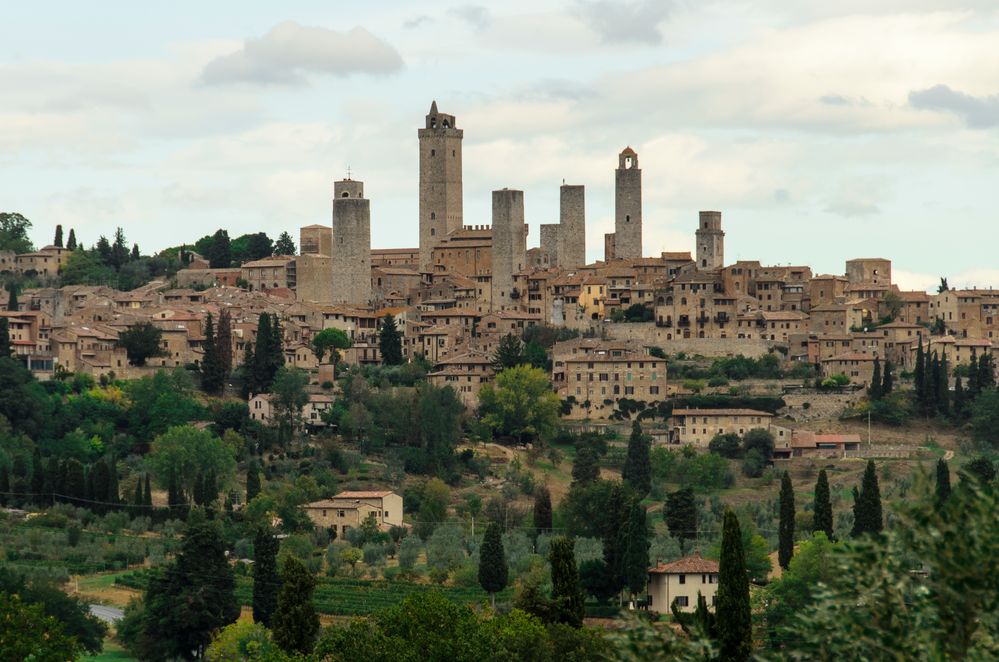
(289, 399)
(58, 237)
(26, 633)
(867, 513)
(5, 496)
(981, 469)
(585, 466)
(14, 233)
(520, 405)
(147, 493)
(985, 418)
(71, 242)
(542, 509)
(219, 256)
(759, 440)
(141, 342)
(284, 245)
(6, 351)
(942, 385)
(183, 455)
(919, 373)
(137, 498)
(943, 481)
(295, 622)
(874, 390)
(785, 547)
(509, 353)
(634, 536)
(822, 512)
(727, 445)
(434, 500)
(12, 305)
(329, 341)
(493, 570)
(680, 513)
(252, 480)
(637, 471)
(785, 597)
(735, 636)
(390, 341)
(223, 339)
(37, 477)
(212, 379)
(567, 592)
(888, 379)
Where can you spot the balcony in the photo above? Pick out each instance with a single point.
(722, 318)
(683, 321)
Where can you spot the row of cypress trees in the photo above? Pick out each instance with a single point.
(94, 485)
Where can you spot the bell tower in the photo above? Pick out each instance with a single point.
(710, 239)
(628, 206)
(440, 181)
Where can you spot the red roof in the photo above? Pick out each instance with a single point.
(691, 565)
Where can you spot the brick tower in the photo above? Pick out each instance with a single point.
(351, 254)
(628, 206)
(440, 181)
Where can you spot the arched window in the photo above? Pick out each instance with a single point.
(345, 194)
(433, 152)
(433, 216)
(446, 124)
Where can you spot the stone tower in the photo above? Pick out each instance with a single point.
(351, 254)
(550, 241)
(628, 206)
(440, 181)
(509, 246)
(572, 227)
(710, 241)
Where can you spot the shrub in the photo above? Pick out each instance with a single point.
(754, 464)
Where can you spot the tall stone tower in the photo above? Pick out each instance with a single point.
(710, 241)
(550, 241)
(509, 246)
(440, 181)
(351, 254)
(628, 206)
(572, 227)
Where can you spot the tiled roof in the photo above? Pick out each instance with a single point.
(720, 412)
(690, 565)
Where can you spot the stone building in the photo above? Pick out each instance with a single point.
(351, 254)
(270, 273)
(698, 427)
(627, 206)
(875, 270)
(348, 510)
(509, 251)
(681, 582)
(440, 181)
(710, 240)
(549, 244)
(594, 370)
(314, 278)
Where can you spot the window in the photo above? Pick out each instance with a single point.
(433, 152)
(683, 579)
(340, 513)
(681, 600)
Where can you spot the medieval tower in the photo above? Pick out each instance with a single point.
(572, 227)
(440, 181)
(710, 241)
(351, 254)
(509, 246)
(628, 206)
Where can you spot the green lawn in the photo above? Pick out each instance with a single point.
(112, 653)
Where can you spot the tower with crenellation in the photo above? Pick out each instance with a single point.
(627, 206)
(710, 240)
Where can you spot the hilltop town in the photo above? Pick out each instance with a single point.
(471, 420)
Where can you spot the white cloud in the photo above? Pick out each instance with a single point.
(618, 22)
(977, 112)
(290, 51)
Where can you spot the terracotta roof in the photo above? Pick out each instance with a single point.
(690, 565)
(363, 495)
(720, 412)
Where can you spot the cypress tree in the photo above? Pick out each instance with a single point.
(822, 508)
(211, 366)
(12, 306)
(276, 347)
(71, 241)
(58, 237)
(261, 354)
(390, 341)
(252, 480)
(4, 485)
(37, 477)
(493, 571)
(874, 390)
(680, 513)
(249, 371)
(888, 380)
(5, 348)
(931, 385)
(542, 509)
(147, 494)
(868, 515)
(615, 518)
(986, 372)
(735, 629)
(959, 399)
(296, 622)
(223, 340)
(100, 484)
(53, 481)
(20, 483)
(919, 373)
(75, 482)
(973, 386)
(943, 481)
(942, 382)
(637, 470)
(265, 576)
(785, 547)
(137, 498)
(567, 592)
(175, 493)
(114, 491)
(634, 545)
(584, 466)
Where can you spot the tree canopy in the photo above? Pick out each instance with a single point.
(520, 404)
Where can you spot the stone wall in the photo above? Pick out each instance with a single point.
(649, 334)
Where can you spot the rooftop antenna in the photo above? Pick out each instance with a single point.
(348, 172)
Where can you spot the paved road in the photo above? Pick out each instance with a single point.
(107, 614)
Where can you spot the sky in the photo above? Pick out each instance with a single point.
(822, 130)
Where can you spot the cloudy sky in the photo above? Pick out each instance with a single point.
(822, 130)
